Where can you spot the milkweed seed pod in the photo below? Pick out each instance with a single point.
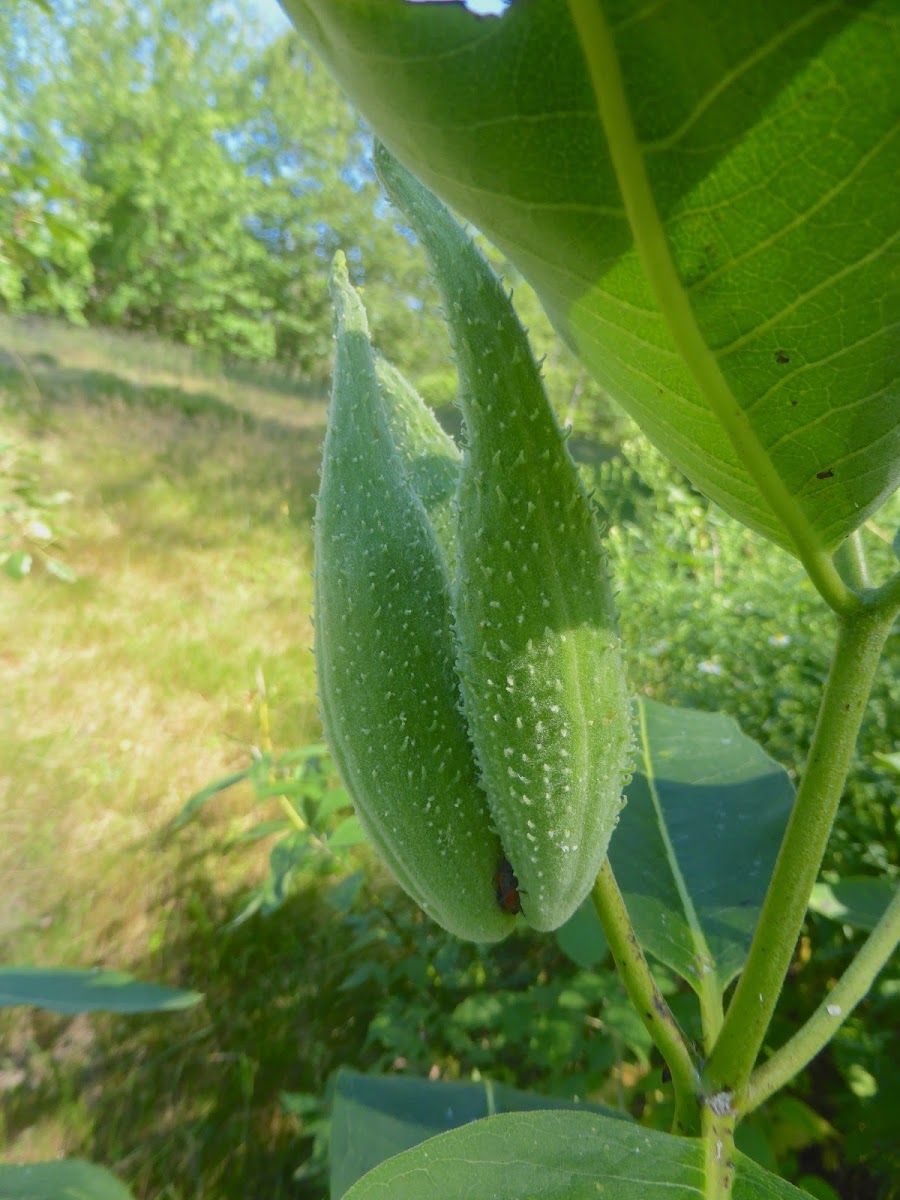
(385, 656)
(539, 658)
(430, 457)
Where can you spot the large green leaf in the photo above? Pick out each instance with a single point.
(558, 1156)
(581, 938)
(64, 991)
(857, 900)
(697, 841)
(375, 1117)
(67, 1179)
(767, 133)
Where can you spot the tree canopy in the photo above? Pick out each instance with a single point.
(174, 168)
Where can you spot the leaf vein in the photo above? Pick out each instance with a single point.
(777, 235)
(816, 365)
(821, 286)
(734, 74)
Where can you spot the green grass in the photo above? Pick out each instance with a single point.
(125, 692)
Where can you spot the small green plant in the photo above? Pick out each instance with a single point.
(652, 179)
(314, 829)
(31, 532)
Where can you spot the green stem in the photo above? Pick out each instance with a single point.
(860, 565)
(652, 245)
(861, 637)
(831, 1013)
(850, 560)
(265, 741)
(647, 998)
(888, 594)
(292, 815)
(718, 1150)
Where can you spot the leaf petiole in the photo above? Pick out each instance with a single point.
(837, 1006)
(647, 999)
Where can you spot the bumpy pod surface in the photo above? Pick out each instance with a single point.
(385, 656)
(539, 658)
(430, 457)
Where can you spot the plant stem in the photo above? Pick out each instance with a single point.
(647, 998)
(265, 739)
(292, 815)
(861, 637)
(888, 593)
(718, 1147)
(851, 556)
(650, 240)
(831, 1013)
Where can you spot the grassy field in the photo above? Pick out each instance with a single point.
(191, 498)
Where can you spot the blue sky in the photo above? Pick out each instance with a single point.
(270, 11)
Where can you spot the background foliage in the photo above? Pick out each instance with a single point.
(174, 168)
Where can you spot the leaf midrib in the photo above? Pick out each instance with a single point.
(652, 246)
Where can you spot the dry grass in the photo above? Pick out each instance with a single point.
(133, 687)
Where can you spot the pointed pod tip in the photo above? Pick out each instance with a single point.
(387, 168)
(349, 312)
(339, 277)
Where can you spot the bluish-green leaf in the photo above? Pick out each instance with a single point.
(581, 938)
(193, 805)
(375, 1116)
(697, 840)
(558, 1156)
(73, 991)
(768, 135)
(67, 1179)
(859, 901)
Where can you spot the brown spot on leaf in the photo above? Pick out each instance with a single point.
(782, 356)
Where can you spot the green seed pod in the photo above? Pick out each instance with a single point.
(539, 658)
(385, 656)
(430, 457)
